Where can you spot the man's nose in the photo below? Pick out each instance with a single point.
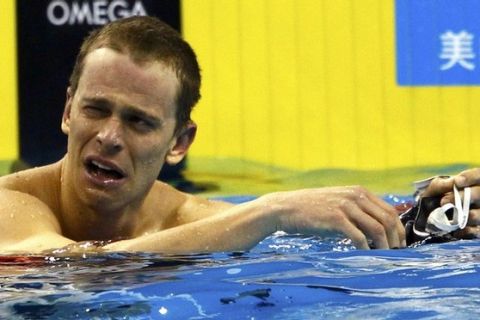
(110, 136)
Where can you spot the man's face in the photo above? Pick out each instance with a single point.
(120, 123)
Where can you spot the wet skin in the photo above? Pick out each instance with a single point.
(121, 124)
(121, 118)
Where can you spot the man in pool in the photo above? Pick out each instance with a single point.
(127, 112)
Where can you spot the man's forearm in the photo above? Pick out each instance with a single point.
(352, 211)
(238, 228)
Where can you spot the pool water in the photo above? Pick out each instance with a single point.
(284, 277)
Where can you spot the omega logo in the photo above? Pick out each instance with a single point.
(96, 12)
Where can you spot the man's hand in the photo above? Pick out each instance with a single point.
(444, 186)
(352, 211)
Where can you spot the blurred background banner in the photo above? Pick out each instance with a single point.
(296, 84)
(312, 84)
(49, 34)
(438, 42)
(8, 84)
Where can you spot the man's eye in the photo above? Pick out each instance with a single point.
(94, 111)
(141, 123)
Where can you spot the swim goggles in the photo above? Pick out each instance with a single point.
(430, 222)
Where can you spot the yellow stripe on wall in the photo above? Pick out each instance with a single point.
(311, 84)
(8, 82)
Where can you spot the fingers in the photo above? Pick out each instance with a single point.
(474, 217)
(353, 211)
(370, 226)
(387, 219)
(472, 230)
(468, 178)
(375, 218)
(469, 232)
(439, 186)
(393, 221)
(356, 235)
(474, 196)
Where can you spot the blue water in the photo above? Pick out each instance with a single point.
(284, 277)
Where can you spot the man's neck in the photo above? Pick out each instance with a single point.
(83, 221)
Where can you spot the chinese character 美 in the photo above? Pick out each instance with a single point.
(457, 49)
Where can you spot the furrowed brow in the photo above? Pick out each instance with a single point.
(95, 101)
(131, 110)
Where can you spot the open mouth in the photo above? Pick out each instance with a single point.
(104, 172)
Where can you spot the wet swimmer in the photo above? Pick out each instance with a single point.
(127, 113)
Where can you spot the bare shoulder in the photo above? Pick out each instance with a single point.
(197, 207)
(42, 183)
(31, 178)
(14, 201)
(23, 216)
(187, 207)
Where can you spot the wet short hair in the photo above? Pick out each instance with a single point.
(146, 38)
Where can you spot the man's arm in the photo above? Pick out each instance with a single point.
(352, 211)
(27, 224)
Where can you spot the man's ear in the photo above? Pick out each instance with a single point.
(66, 111)
(181, 143)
